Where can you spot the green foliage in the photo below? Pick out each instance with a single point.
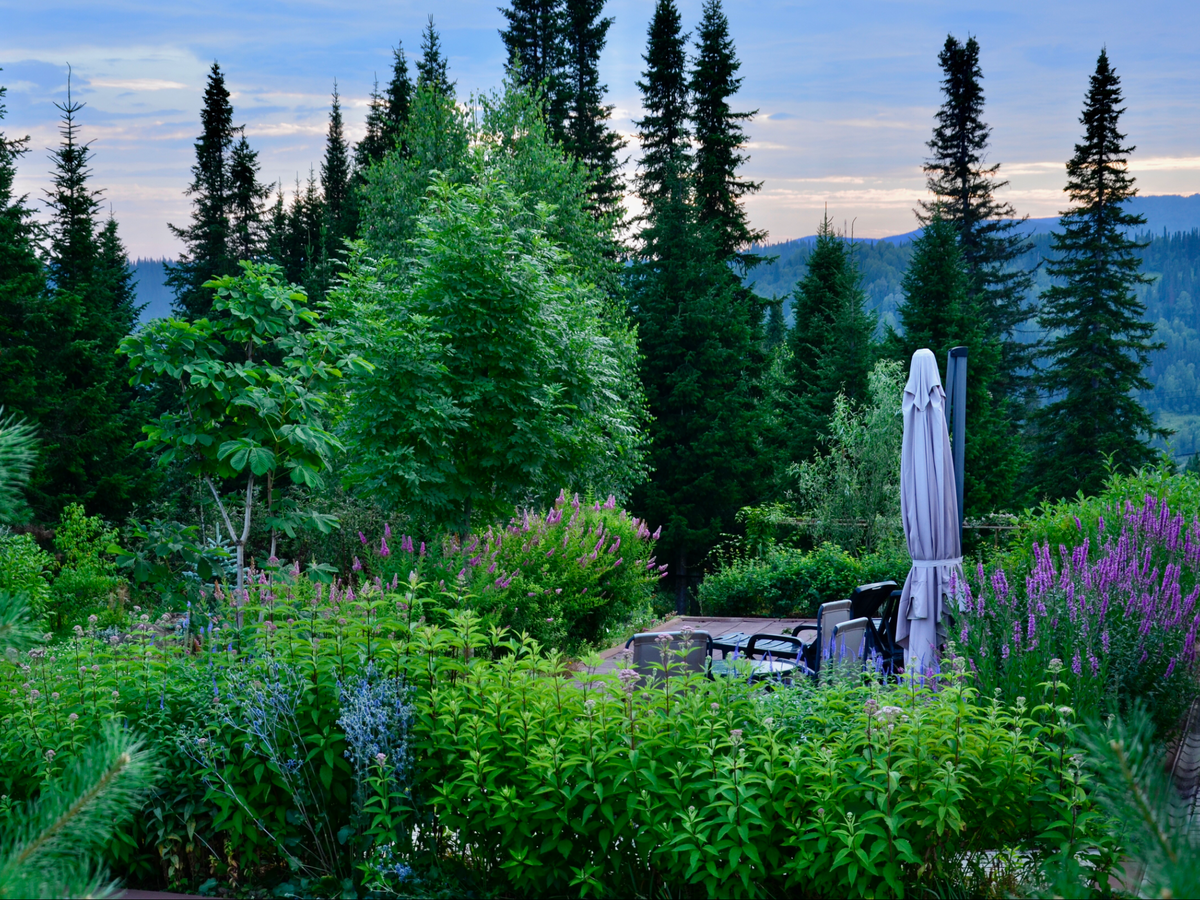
(543, 785)
(831, 342)
(784, 582)
(964, 189)
(253, 385)
(49, 848)
(939, 313)
(25, 571)
(536, 45)
(498, 374)
(18, 452)
(851, 494)
(1102, 342)
(570, 578)
(86, 581)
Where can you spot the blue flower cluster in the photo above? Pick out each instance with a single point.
(375, 719)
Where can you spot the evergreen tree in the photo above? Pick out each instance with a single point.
(702, 340)
(662, 181)
(939, 312)
(207, 239)
(399, 97)
(831, 341)
(588, 136)
(432, 67)
(83, 412)
(373, 146)
(534, 40)
(25, 316)
(246, 199)
(964, 189)
(335, 182)
(719, 139)
(1101, 341)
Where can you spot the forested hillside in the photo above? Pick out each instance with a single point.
(1172, 302)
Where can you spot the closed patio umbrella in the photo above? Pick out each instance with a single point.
(929, 513)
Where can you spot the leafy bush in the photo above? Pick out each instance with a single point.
(543, 784)
(87, 581)
(25, 570)
(786, 582)
(1119, 610)
(570, 577)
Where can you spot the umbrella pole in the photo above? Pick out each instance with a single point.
(956, 393)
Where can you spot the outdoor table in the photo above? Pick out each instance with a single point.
(727, 643)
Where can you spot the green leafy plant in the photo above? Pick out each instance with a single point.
(25, 570)
(86, 579)
(18, 452)
(788, 582)
(253, 383)
(49, 847)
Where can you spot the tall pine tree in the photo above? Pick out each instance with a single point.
(720, 139)
(336, 182)
(939, 312)
(588, 136)
(432, 67)
(1101, 342)
(701, 337)
(831, 341)
(25, 320)
(534, 40)
(964, 188)
(247, 197)
(387, 116)
(207, 252)
(83, 413)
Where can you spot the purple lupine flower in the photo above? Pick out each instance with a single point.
(387, 530)
(1094, 663)
(1077, 664)
(383, 547)
(357, 567)
(422, 548)
(657, 533)
(1170, 668)
(362, 537)
(611, 502)
(1004, 652)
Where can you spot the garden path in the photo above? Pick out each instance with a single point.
(716, 626)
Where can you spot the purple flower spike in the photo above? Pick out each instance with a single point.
(383, 547)
(422, 548)
(362, 537)
(357, 567)
(387, 530)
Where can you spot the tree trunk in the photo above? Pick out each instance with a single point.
(241, 546)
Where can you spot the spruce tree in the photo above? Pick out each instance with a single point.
(246, 200)
(964, 190)
(662, 180)
(701, 333)
(83, 414)
(207, 239)
(588, 136)
(399, 97)
(534, 40)
(25, 325)
(335, 182)
(373, 146)
(719, 140)
(831, 341)
(432, 67)
(1101, 342)
(939, 312)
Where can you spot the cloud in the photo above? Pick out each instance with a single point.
(781, 116)
(138, 84)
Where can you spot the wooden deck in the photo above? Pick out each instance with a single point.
(717, 626)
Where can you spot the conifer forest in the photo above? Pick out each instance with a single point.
(322, 540)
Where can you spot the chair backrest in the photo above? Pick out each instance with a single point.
(829, 616)
(849, 639)
(866, 599)
(752, 648)
(647, 655)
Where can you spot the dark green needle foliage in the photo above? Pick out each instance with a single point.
(964, 188)
(246, 202)
(720, 138)
(82, 405)
(534, 40)
(386, 117)
(938, 312)
(335, 179)
(588, 136)
(432, 67)
(1101, 342)
(207, 239)
(831, 342)
(701, 333)
(52, 845)
(25, 315)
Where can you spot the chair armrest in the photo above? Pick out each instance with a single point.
(798, 644)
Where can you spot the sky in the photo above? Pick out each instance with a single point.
(845, 92)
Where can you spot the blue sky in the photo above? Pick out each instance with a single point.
(845, 91)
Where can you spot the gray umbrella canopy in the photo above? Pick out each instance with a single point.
(929, 511)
